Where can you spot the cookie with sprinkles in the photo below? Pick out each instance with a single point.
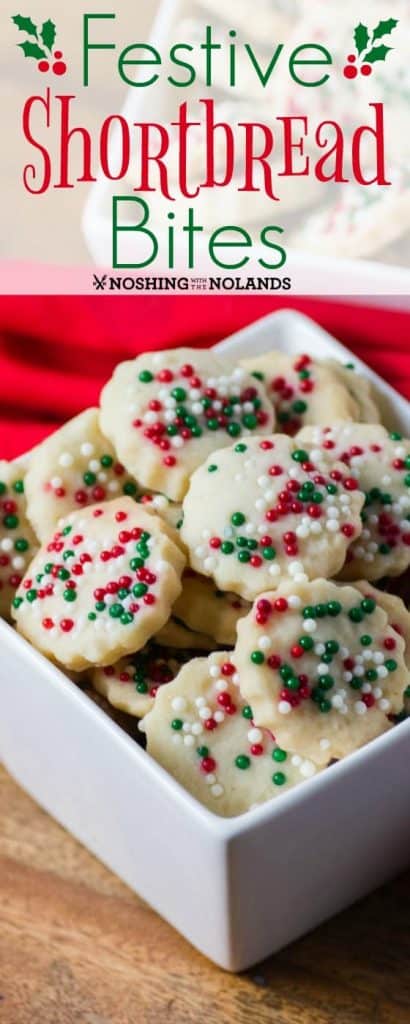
(380, 464)
(18, 542)
(260, 511)
(322, 667)
(77, 467)
(302, 390)
(202, 731)
(131, 685)
(360, 388)
(103, 585)
(166, 411)
(202, 606)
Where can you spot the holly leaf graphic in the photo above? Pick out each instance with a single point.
(377, 53)
(48, 34)
(32, 50)
(25, 25)
(384, 28)
(361, 37)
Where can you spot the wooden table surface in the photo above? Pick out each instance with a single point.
(77, 947)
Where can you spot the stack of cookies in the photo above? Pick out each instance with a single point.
(201, 551)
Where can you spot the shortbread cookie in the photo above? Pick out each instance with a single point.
(380, 462)
(201, 731)
(18, 543)
(302, 390)
(322, 667)
(176, 634)
(360, 388)
(102, 587)
(74, 467)
(132, 684)
(202, 606)
(260, 512)
(166, 411)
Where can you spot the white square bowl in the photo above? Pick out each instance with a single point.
(237, 889)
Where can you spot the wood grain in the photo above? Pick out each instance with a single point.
(77, 947)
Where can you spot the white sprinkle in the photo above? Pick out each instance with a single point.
(284, 707)
(324, 744)
(209, 563)
(255, 736)
(200, 701)
(360, 707)
(307, 769)
(210, 779)
(219, 716)
(205, 713)
(197, 729)
(214, 673)
(87, 449)
(296, 760)
(294, 601)
(320, 649)
(56, 481)
(384, 704)
(309, 626)
(6, 544)
(217, 790)
(189, 741)
(265, 643)
(179, 704)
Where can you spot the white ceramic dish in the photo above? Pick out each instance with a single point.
(337, 276)
(238, 889)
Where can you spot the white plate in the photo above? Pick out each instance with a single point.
(238, 889)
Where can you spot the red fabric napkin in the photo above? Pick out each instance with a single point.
(57, 352)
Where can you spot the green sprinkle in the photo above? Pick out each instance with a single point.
(10, 522)
(177, 724)
(371, 675)
(116, 610)
(63, 574)
(279, 754)
(202, 751)
(299, 407)
(320, 611)
(234, 430)
(240, 448)
(212, 424)
(3, 487)
(356, 683)
(279, 778)
(244, 556)
(130, 489)
(257, 375)
(92, 616)
(306, 642)
(391, 665)
(257, 657)
(141, 687)
(179, 394)
(243, 762)
(70, 596)
(136, 563)
(89, 479)
(18, 486)
(269, 553)
(247, 710)
(67, 555)
(331, 646)
(325, 706)
(326, 682)
(67, 530)
(395, 436)
(250, 421)
(127, 618)
(21, 544)
(309, 612)
(355, 615)
(17, 601)
(212, 469)
(366, 640)
(331, 488)
(106, 461)
(368, 605)
(31, 596)
(238, 519)
(140, 589)
(334, 608)
(227, 547)
(100, 606)
(146, 377)
(300, 455)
